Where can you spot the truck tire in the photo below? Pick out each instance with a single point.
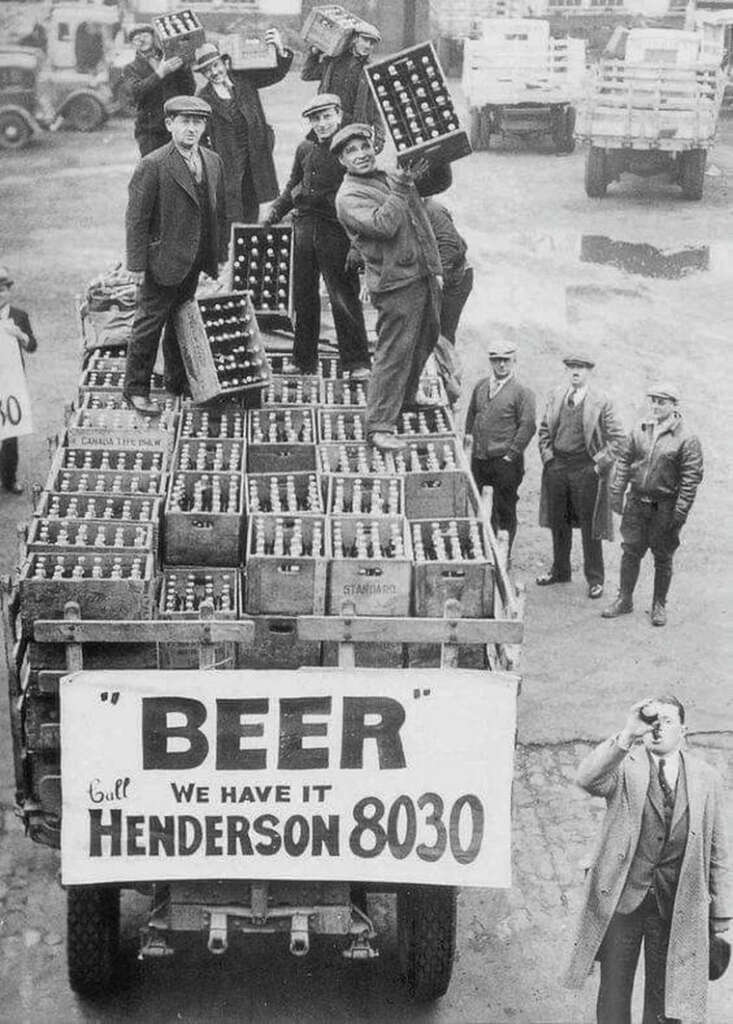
(596, 176)
(15, 132)
(92, 937)
(426, 939)
(84, 113)
(563, 131)
(692, 172)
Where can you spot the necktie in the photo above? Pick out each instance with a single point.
(666, 789)
(571, 400)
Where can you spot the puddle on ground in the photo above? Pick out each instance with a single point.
(643, 259)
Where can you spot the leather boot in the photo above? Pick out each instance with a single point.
(659, 614)
(662, 580)
(621, 606)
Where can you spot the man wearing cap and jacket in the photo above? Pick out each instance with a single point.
(580, 437)
(151, 79)
(388, 225)
(501, 422)
(345, 77)
(321, 246)
(662, 467)
(237, 129)
(13, 321)
(176, 227)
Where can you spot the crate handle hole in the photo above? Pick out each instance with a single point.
(289, 569)
(431, 485)
(454, 574)
(201, 524)
(282, 628)
(372, 571)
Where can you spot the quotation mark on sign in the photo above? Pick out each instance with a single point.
(113, 697)
(417, 694)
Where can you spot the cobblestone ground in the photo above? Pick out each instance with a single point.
(512, 946)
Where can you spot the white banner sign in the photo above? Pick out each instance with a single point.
(322, 774)
(15, 405)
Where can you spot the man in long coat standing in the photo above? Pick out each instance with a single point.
(238, 131)
(661, 871)
(580, 437)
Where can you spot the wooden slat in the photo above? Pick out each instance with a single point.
(409, 630)
(121, 631)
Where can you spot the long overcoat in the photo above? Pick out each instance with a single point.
(258, 162)
(704, 886)
(604, 439)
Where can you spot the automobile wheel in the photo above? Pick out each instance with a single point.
(596, 175)
(84, 113)
(92, 937)
(692, 172)
(426, 939)
(15, 132)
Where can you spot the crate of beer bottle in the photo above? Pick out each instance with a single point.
(284, 494)
(330, 28)
(281, 439)
(452, 561)
(262, 263)
(371, 565)
(204, 519)
(179, 34)
(183, 590)
(286, 565)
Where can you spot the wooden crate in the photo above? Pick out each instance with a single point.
(120, 428)
(179, 34)
(246, 53)
(81, 481)
(175, 581)
(469, 581)
(197, 537)
(83, 537)
(412, 94)
(296, 390)
(215, 423)
(376, 585)
(102, 383)
(339, 393)
(108, 460)
(262, 263)
(208, 454)
(276, 645)
(440, 491)
(339, 425)
(107, 508)
(360, 459)
(259, 493)
(330, 28)
(111, 358)
(425, 422)
(277, 584)
(106, 598)
(281, 439)
(365, 490)
(221, 346)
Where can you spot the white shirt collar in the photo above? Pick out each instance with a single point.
(578, 395)
(671, 766)
(496, 385)
(5, 311)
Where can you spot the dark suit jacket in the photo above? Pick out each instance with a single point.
(20, 319)
(163, 217)
(150, 92)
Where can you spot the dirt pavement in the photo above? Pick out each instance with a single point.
(541, 252)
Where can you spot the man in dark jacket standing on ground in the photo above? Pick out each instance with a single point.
(151, 79)
(322, 246)
(238, 130)
(385, 219)
(501, 422)
(662, 465)
(175, 229)
(15, 321)
(345, 77)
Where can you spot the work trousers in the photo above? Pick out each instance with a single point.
(156, 306)
(619, 956)
(8, 462)
(504, 478)
(408, 326)
(453, 299)
(572, 489)
(648, 523)
(321, 248)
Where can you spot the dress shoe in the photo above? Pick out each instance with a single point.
(143, 405)
(659, 614)
(15, 488)
(362, 373)
(623, 605)
(548, 578)
(386, 442)
(595, 590)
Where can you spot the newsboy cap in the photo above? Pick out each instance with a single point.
(206, 54)
(144, 26)
(321, 102)
(186, 105)
(663, 389)
(351, 131)
(501, 349)
(363, 28)
(577, 358)
(5, 277)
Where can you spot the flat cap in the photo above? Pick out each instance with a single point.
(186, 105)
(663, 389)
(577, 358)
(321, 102)
(143, 26)
(5, 277)
(206, 54)
(351, 131)
(501, 349)
(363, 28)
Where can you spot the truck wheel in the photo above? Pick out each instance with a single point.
(84, 113)
(596, 177)
(92, 937)
(15, 132)
(563, 131)
(426, 939)
(692, 172)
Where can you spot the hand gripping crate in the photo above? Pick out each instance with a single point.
(246, 53)
(114, 509)
(295, 390)
(93, 427)
(221, 347)
(204, 519)
(286, 565)
(365, 496)
(376, 573)
(183, 590)
(262, 263)
(281, 439)
(452, 561)
(412, 94)
(119, 587)
(283, 494)
(180, 34)
(330, 28)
